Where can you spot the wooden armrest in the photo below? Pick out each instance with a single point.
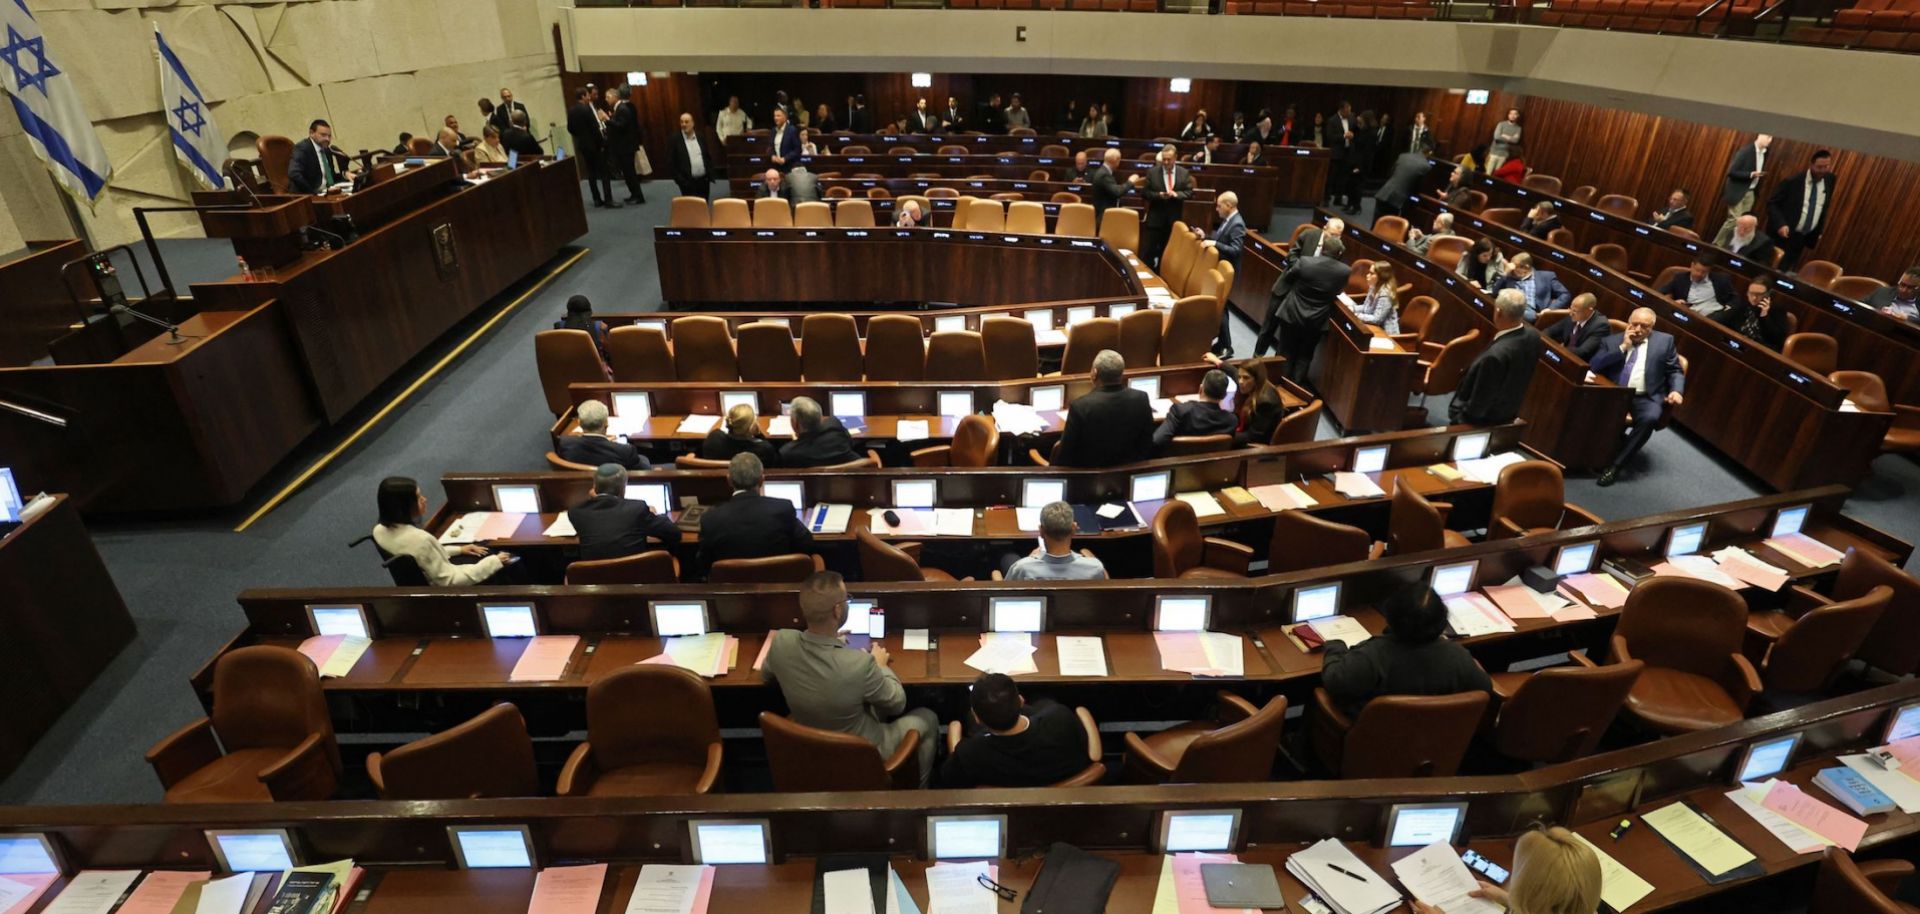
(819, 564)
(1233, 708)
(1501, 694)
(1225, 555)
(184, 752)
(1323, 703)
(1094, 773)
(1430, 351)
(577, 777)
(1802, 600)
(1033, 454)
(1745, 682)
(1406, 341)
(903, 764)
(954, 733)
(711, 775)
(1093, 733)
(1581, 659)
(996, 576)
(1443, 508)
(373, 774)
(1905, 416)
(939, 455)
(1885, 875)
(1619, 652)
(874, 456)
(306, 773)
(1139, 753)
(1584, 517)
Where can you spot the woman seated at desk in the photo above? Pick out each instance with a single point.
(740, 435)
(1482, 265)
(1380, 308)
(398, 533)
(489, 151)
(1553, 872)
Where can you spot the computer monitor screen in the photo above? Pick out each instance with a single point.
(1038, 493)
(1421, 824)
(1766, 758)
(1181, 613)
(966, 837)
(1080, 314)
(792, 490)
(1051, 398)
(516, 499)
(678, 618)
(1685, 539)
(23, 855)
(848, 403)
(1200, 830)
(349, 620)
(739, 841)
(657, 495)
(252, 850)
(508, 620)
(1040, 318)
(491, 847)
(1903, 723)
(1575, 559)
(1121, 310)
(914, 493)
(1150, 486)
(1471, 446)
(633, 406)
(949, 322)
(10, 500)
(1370, 459)
(731, 399)
(1789, 520)
(1149, 385)
(1450, 580)
(1016, 614)
(956, 403)
(1310, 603)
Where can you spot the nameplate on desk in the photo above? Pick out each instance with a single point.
(1599, 217)
(1302, 152)
(1641, 231)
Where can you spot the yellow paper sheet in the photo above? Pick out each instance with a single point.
(1166, 900)
(1697, 838)
(345, 656)
(1620, 888)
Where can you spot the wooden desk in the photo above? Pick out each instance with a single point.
(1010, 176)
(35, 308)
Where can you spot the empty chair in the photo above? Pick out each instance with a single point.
(1064, 196)
(1027, 217)
(1815, 352)
(566, 357)
(838, 192)
(942, 193)
(1503, 215)
(655, 566)
(1177, 260)
(956, 355)
(986, 216)
(976, 443)
(1418, 525)
(1893, 646)
(1449, 365)
(1583, 194)
(689, 212)
(1120, 228)
(1237, 747)
(1476, 201)
(772, 212)
(879, 193)
(813, 214)
(1855, 287)
(830, 348)
(767, 352)
(1540, 182)
(1391, 229)
(1530, 497)
(1821, 273)
(703, 350)
(1216, 282)
(1447, 250)
(639, 354)
(1056, 151)
(490, 755)
(1809, 653)
(1396, 736)
(1191, 326)
(1179, 551)
(1844, 886)
(276, 155)
(1869, 393)
(1204, 264)
(1611, 256)
(884, 561)
(1299, 426)
(1085, 340)
(1561, 238)
(960, 206)
(1075, 219)
(1689, 633)
(270, 718)
(1559, 714)
(1302, 541)
(791, 568)
(651, 732)
(1618, 205)
(807, 759)
(855, 151)
(857, 213)
(895, 350)
(1011, 350)
(731, 212)
(1140, 335)
(952, 150)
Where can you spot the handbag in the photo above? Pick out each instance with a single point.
(641, 166)
(1071, 881)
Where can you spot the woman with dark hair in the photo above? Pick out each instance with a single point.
(1410, 659)
(402, 504)
(1482, 265)
(580, 317)
(1257, 402)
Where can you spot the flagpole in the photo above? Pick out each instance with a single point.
(79, 225)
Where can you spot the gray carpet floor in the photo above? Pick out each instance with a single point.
(485, 412)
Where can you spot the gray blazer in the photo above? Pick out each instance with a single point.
(832, 686)
(1505, 134)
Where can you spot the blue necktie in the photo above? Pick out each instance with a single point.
(1626, 370)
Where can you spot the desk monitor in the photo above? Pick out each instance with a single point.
(678, 618)
(1155, 486)
(252, 850)
(859, 612)
(1040, 318)
(848, 403)
(1321, 601)
(485, 847)
(1049, 397)
(1471, 446)
(1765, 758)
(1576, 558)
(513, 159)
(1118, 311)
(508, 620)
(10, 501)
(1370, 459)
(28, 855)
(956, 403)
(1686, 539)
(947, 323)
(1080, 315)
(651, 325)
(1182, 612)
(792, 490)
(1016, 614)
(348, 619)
(635, 406)
(1039, 493)
(1455, 579)
(915, 493)
(1903, 723)
(1199, 830)
(1149, 384)
(657, 495)
(966, 837)
(1421, 824)
(1788, 521)
(732, 398)
(516, 499)
(731, 841)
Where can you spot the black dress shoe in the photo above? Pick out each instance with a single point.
(636, 200)
(1609, 477)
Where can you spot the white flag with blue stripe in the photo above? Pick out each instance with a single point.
(196, 139)
(44, 97)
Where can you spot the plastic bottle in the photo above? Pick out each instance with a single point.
(246, 272)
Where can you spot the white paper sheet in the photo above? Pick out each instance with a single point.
(1435, 875)
(1080, 655)
(666, 889)
(780, 427)
(1204, 504)
(224, 896)
(910, 430)
(954, 888)
(953, 522)
(697, 425)
(913, 639)
(1356, 485)
(90, 892)
(848, 892)
(563, 526)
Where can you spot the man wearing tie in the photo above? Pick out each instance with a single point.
(1229, 239)
(1343, 176)
(1543, 289)
(1421, 135)
(502, 116)
(316, 165)
(1648, 363)
(623, 141)
(1167, 188)
(953, 114)
(589, 132)
(1797, 211)
(786, 141)
(1581, 331)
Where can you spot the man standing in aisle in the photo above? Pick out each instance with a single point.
(502, 116)
(1343, 176)
(1744, 173)
(1300, 303)
(589, 134)
(1494, 386)
(1797, 211)
(1107, 186)
(784, 146)
(689, 161)
(1166, 189)
(623, 140)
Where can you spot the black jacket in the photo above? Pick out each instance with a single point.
(1265, 417)
(1107, 189)
(1389, 666)
(1108, 427)
(1193, 418)
(1496, 383)
(825, 446)
(1674, 218)
(1759, 250)
(610, 526)
(1783, 208)
(1163, 212)
(303, 171)
(1585, 341)
(682, 164)
(721, 446)
(502, 116)
(623, 129)
(594, 450)
(1541, 228)
(1309, 288)
(514, 139)
(751, 526)
(1769, 331)
(584, 125)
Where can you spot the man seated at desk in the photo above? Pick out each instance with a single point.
(831, 686)
(1410, 658)
(1581, 331)
(594, 446)
(1699, 289)
(750, 525)
(910, 215)
(819, 440)
(1017, 745)
(771, 185)
(1055, 560)
(611, 525)
(1111, 425)
(1756, 318)
(446, 145)
(1199, 417)
(316, 165)
(740, 434)
(1541, 289)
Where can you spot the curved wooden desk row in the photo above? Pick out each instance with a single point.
(902, 181)
(1869, 340)
(1051, 320)
(1782, 422)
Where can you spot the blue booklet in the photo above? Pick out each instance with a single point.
(1853, 791)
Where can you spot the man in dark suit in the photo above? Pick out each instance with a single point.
(689, 156)
(785, 142)
(1107, 186)
(1166, 189)
(1300, 303)
(1581, 331)
(1230, 240)
(502, 116)
(1409, 168)
(623, 140)
(516, 138)
(589, 134)
(316, 165)
(773, 185)
(1647, 362)
(818, 440)
(750, 525)
(1700, 290)
(952, 118)
(859, 119)
(1676, 215)
(1900, 300)
(922, 120)
(1748, 241)
(611, 525)
(1797, 211)
(1309, 242)
(1756, 318)
(1744, 173)
(1495, 385)
(1541, 289)
(1199, 417)
(1343, 175)
(593, 446)
(1543, 218)
(1111, 425)
(446, 144)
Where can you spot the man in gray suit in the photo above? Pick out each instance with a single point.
(1744, 174)
(803, 186)
(832, 686)
(1300, 304)
(1408, 169)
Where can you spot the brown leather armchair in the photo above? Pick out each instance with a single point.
(1807, 654)
(1396, 736)
(1191, 325)
(270, 715)
(956, 355)
(557, 462)
(1391, 229)
(1508, 216)
(1815, 352)
(1299, 426)
(884, 561)
(651, 732)
(1141, 335)
(1442, 374)
(703, 349)
(1559, 714)
(895, 349)
(1179, 551)
(1844, 886)
(655, 566)
(1893, 645)
(276, 157)
(1689, 633)
(488, 756)
(976, 443)
(1621, 205)
(1868, 392)
(807, 759)
(1531, 497)
(1301, 540)
(767, 351)
(1094, 773)
(830, 348)
(640, 354)
(791, 568)
(1189, 445)
(1012, 352)
(1820, 273)
(1085, 340)
(1237, 747)
(1418, 525)
(566, 357)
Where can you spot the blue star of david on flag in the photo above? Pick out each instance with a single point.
(188, 114)
(18, 47)
(48, 106)
(197, 140)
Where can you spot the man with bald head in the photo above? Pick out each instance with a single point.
(1744, 174)
(689, 156)
(1107, 186)
(1646, 361)
(772, 184)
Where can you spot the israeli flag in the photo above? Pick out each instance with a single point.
(196, 139)
(49, 107)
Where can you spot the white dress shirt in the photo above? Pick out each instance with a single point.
(695, 160)
(1637, 379)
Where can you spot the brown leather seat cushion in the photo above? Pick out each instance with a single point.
(1172, 744)
(233, 778)
(1903, 439)
(1770, 624)
(1680, 702)
(1453, 538)
(1202, 571)
(934, 574)
(653, 779)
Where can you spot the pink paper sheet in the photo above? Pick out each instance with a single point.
(568, 889)
(502, 525)
(1806, 550)
(1181, 652)
(1815, 816)
(1516, 600)
(705, 893)
(761, 660)
(160, 891)
(1190, 891)
(1749, 569)
(1601, 590)
(1907, 752)
(545, 658)
(39, 882)
(320, 647)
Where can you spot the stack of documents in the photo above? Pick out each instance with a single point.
(1356, 485)
(561, 526)
(1201, 653)
(1698, 839)
(1700, 567)
(1750, 797)
(544, 659)
(710, 655)
(1283, 497)
(1017, 419)
(161, 890)
(1899, 786)
(1080, 655)
(913, 521)
(479, 526)
(568, 889)
(92, 891)
(627, 426)
(1435, 875)
(334, 655)
(1471, 615)
(780, 427)
(1004, 652)
(1602, 590)
(954, 888)
(1182, 890)
(1806, 550)
(697, 425)
(1830, 824)
(1204, 504)
(1487, 469)
(910, 430)
(1519, 601)
(953, 522)
(671, 889)
(1620, 888)
(828, 518)
(1341, 880)
(1742, 564)
(1336, 628)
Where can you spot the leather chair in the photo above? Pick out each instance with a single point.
(1893, 645)
(1075, 220)
(1120, 228)
(1237, 747)
(813, 214)
(1191, 326)
(1476, 201)
(1684, 232)
(859, 213)
(869, 462)
(271, 718)
(1063, 197)
(855, 151)
(1010, 348)
(895, 349)
(276, 156)
(1808, 653)
(767, 352)
(1503, 215)
(689, 212)
(1856, 288)
(884, 561)
(942, 193)
(837, 192)
(986, 216)
(1843, 886)
(1415, 317)
(1180, 551)
(1821, 273)
(1618, 205)
(1391, 229)
(1177, 260)
(488, 756)
(1053, 150)
(976, 443)
(1299, 426)
(952, 150)
(640, 354)
(1189, 445)
(731, 212)
(655, 566)
(1689, 634)
(791, 568)
(1205, 260)
(830, 348)
(1027, 217)
(1559, 714)
(1301, 541)
(703, 349)
(557, 462)
(1396, 736)
(1446, 251)
(772, 212)
(1561, 238)
(1218, 283)
(1357, 277)
(1609, 255)
(807, 759)
(1530, 497)
(419, 146)
(1540, 182)
(1085, 341)
(1815, 352)
(1443, 372)
(1583, 194)
(696, 462)
(651, 732)
(1869, 393)
(1418, 525)
(1140, 336)
(1094, 773)
(956, 355)
(566, 357)
(960, 205)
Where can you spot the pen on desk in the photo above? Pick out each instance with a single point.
(1346, 872)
